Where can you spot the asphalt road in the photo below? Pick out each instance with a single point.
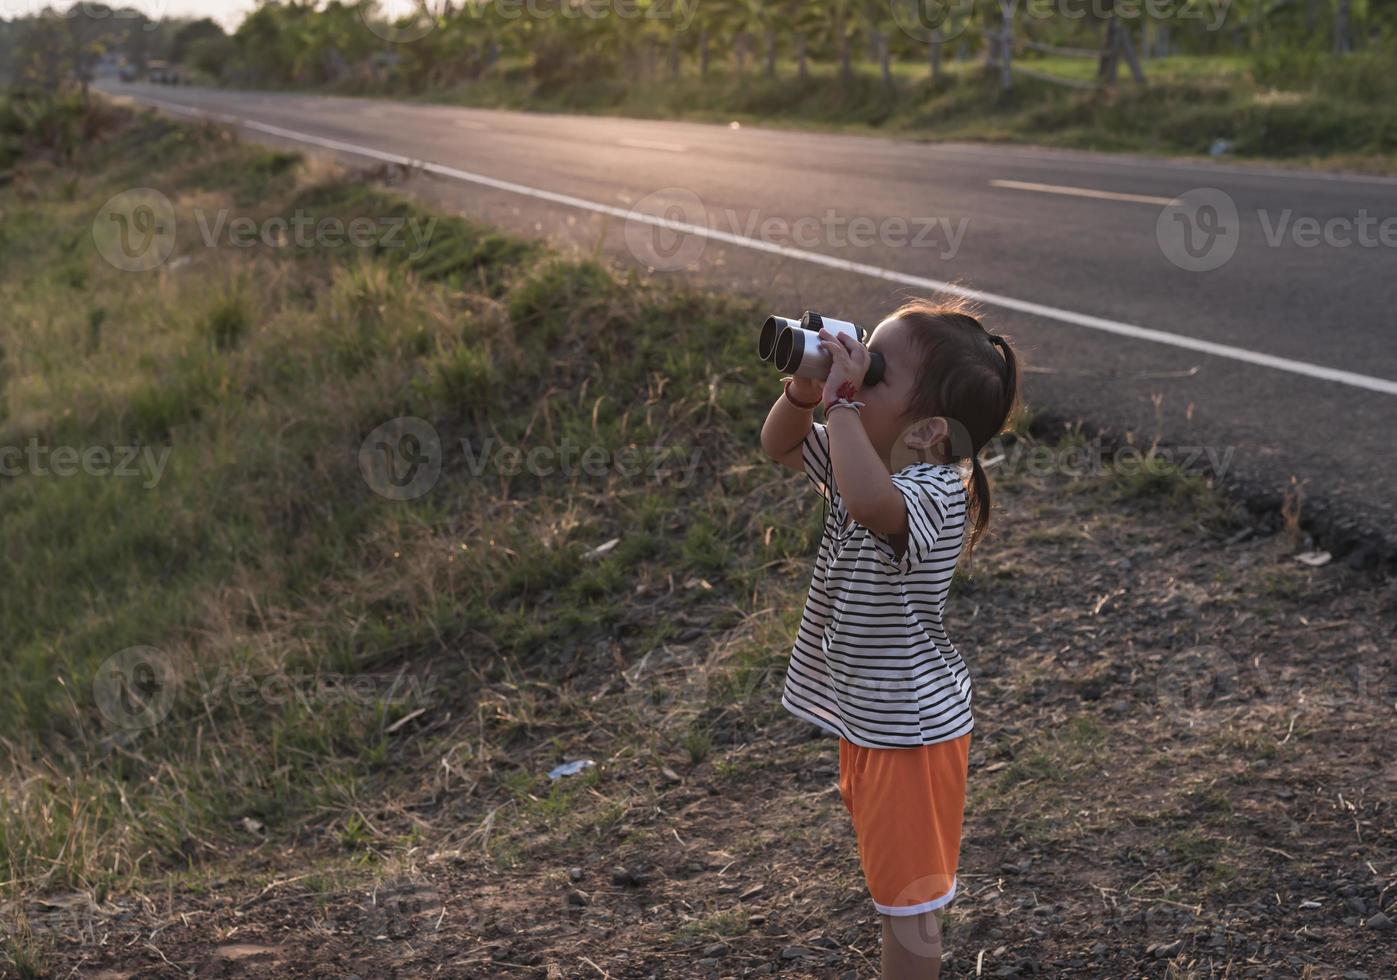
(1244, 311)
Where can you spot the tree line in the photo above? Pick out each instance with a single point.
(557, 42)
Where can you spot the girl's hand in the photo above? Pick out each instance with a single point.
(807, 389)
(851, 361)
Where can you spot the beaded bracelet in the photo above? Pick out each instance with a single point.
(843, 403)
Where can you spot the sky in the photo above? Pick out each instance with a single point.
(227, 12)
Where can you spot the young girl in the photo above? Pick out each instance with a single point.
(872, 661)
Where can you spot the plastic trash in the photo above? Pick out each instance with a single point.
(570, 768)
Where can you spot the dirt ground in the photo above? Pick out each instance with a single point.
(1182, 767)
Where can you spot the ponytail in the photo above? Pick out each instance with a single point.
(970, 377)
(977, 504)
(978, 491)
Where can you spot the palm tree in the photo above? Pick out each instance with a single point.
(710, 18)
(805, 21)
(877, 18)
(838, 27)
(1343, 44)
(746, 18)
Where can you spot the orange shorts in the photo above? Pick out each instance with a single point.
(907, 806)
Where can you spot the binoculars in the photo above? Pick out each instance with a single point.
(794, 346)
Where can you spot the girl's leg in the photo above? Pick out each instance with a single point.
(912, 946)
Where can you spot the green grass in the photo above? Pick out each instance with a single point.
(24, 956)
(727, 923)
(249, 552)
(251, 547)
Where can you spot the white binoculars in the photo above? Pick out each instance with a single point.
(794, 346)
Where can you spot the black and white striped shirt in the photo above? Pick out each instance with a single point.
(872, 661)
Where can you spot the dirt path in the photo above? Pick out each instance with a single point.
(1183, 767)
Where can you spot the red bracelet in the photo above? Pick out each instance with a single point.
(847, 390)
(799, 404)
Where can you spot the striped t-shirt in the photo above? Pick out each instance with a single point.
(872, 661)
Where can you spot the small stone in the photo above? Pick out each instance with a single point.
(622, 877)
(576, 897)
(796, 952)
(575, 874)
(1165, 950)
(1380, 922)
(714, 950)
(1357, 904)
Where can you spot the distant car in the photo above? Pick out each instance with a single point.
(162, 73)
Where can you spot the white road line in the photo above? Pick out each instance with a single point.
(654, 145)
(1382, 385)
(182, 110)
(1201, 169)
(1025, 185)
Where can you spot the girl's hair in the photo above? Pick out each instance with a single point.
(968, 376)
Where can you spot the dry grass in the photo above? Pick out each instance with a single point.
(1179, 740)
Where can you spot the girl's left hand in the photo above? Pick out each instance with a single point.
(850, 358)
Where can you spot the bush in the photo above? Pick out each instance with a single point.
(228, 322)
(34, 122)
(1367, 77)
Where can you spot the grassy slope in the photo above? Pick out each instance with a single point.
(1190, 102)
(262, 551)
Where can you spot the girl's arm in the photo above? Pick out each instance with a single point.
(863, 481)
(786, 426)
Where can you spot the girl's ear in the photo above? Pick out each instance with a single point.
(927, 433)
